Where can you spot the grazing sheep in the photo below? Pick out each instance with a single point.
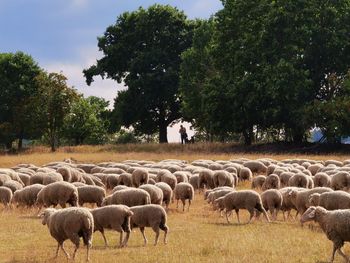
(4, 178)
(181, 176)
(167, 177)
(300, 198)
(52, 178)
(205, 178)
(119, 187)
(340, 181)
(314, 168)
(116, 217)
(129, 197)
(88, 179)
(139, 176)
(272, 182)
(70, 223)
(125, 179)
(287, 204)
(13, 185)
(270, 169)
(333, 162)
(150, 216)
(194, 180)
(91, 194)
(112, 181)
(258, 181)
(299, 180)
(38, 178)
(245, 199)
(86, 167)
(284, 178)
(184, 191)
(167, 193)
(58, 193)
(245, 174)
(255, 166)
(28, 195)
(330, 200)
(5, 195)
(322, 180)
(25, 178)
(272, 201)
(223, 178)
(335, 224)
(155, 193)
(217, 194)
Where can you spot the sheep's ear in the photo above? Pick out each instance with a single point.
(312, 212)
(41, 214)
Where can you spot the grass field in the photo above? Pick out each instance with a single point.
(200, 235)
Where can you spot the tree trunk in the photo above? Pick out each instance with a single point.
(297, 135)
(247, 134)
(20, 144)
(163, 138)
(53, 142)
(9, 145)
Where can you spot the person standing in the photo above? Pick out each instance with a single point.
(183, 134)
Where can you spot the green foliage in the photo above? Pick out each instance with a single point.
(85, 122)
(124, 136)
(143, 49)
(18, 90)
(55, 99)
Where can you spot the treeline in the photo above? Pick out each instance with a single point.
(255, 71)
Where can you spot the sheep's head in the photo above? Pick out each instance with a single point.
(314, 199)
(309, 214)
(46, 214)
(292, 193)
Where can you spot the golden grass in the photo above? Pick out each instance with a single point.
(200, 235)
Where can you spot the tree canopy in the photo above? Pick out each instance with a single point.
(143, 50)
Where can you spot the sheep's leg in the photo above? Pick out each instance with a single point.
(340, 251)
(125, 243)
(65, 252)
(177, 204)
(165, 229)
(183, 205)
(75, 240)
(333, 253)
(142, 229)
(58, 248)
(104, 237)
(237, 214)
(121, 238)
(228, 221)
(252, 213)
(156, 230)
(189, 204)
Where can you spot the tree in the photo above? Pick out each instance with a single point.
(17, 92)
(55, 98)
(85, 123)
(143, 49)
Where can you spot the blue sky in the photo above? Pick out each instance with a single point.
(61, 35)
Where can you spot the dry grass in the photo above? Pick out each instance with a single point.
(198, 236)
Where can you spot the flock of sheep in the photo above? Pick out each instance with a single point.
(317, 190)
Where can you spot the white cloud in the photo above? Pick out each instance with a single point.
(204, 8)
(73, 70)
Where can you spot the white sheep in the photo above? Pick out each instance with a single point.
(70, 223)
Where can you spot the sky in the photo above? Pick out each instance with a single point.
(61, 35)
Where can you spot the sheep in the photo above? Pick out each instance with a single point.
(245, 174)
(69, 223)
(205, 178)
(333, 162)
(4, 178)
(272, 201)
(287, 204)
(184, 191)
(193, 180)
(150, 216)
(255, 166)
(87, 167)
(258, 181)
(330, 200)
(284, 178)
(340, 181)
(270, 169)
(223, 178)
(155, 193)
(219, 204)
(322, 180)
(181, 176)
(28, 195)
(167, 177)
(245, 199)
(300, 198)
(52, 178)
(272, 182)
(139, 177)
(119, 187)
(13, 185)
(167, 193)
(116, 217)
(215, 166)
(125, 179)
(299, 180)
(58, 193)
(5, 195)
(335, 224)
(91, 194)
(25, 178)
(112, 181)
(89, 180)
(217, 194)
(129, 197)
(38, 178)
(78, 184)
(314, 168)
